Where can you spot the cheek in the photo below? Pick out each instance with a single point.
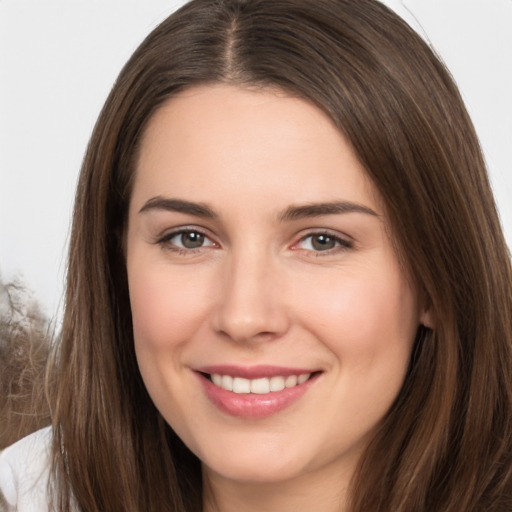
(166, 314)
(369, 326)
(166, 308)
(364, 316)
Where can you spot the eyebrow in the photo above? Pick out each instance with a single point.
(289, 214)
(178, 205)
(319, 209)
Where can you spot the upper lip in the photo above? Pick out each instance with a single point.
(253, 372)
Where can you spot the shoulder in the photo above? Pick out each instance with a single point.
(24, 472)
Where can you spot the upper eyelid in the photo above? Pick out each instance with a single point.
(329, 235)
(325, 231)
(169, 233)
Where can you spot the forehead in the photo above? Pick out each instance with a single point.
(235, 137)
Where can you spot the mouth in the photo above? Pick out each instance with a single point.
(259, 386)
(256, 392)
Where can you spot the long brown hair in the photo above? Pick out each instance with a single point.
(445, 445)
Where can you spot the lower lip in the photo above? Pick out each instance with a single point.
(252, 405)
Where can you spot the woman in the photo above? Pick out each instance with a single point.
(288, 287)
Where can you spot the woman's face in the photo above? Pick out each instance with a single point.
(259, 258)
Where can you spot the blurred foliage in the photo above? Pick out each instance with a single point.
(25, 341)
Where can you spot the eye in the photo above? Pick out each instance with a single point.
(186, 239)
(323, 242)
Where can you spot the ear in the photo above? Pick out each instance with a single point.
(427, 317)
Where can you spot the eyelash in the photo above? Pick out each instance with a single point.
(341, 244)
(165, 241)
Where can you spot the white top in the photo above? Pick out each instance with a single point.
(24, 472)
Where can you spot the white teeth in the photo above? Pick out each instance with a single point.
(259, 386)
(227, 382)
(277, 384)
(291, 381)
(241, 385)
(303, 378)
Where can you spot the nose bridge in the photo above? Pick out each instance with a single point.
(250, 302)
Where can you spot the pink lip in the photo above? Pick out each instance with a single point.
(250, 405)
(253, 372)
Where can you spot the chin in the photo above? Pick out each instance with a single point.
(247, 472)
(255, 462)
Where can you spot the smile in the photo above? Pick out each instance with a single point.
(259, 386)
(255, 392)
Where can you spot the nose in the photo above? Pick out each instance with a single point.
(250, 304)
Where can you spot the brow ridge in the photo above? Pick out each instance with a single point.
(178, 205)
(294, 212)
(329, 208)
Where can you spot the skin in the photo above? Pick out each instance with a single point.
(262, 289)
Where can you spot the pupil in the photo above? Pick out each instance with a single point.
(323, 242)
(192, 240)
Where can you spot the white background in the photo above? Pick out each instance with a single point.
(59, 58)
